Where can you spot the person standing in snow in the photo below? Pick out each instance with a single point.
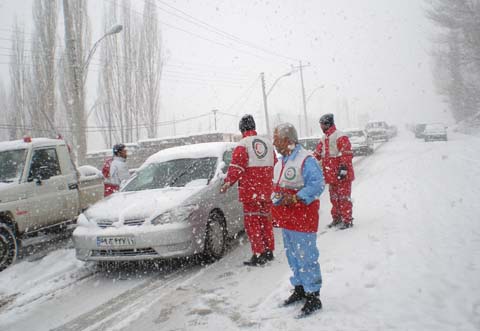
(335, 153)
(297, 185)
(118, 170)
(252, 166)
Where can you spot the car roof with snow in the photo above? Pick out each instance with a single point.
(35, 142)
(213, 149)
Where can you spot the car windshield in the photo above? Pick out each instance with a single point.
(12, 164)
(351, 134)
(173, 173)
(435, 127)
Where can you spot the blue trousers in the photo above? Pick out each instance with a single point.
(302, 255)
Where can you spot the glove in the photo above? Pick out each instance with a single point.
(289, 199)
(342, 171)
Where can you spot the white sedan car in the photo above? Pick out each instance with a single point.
(171, 207)
(361, 143)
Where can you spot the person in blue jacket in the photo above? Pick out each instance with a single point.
(297, 184)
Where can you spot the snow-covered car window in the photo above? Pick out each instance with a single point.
(12, 164)
(174, 173)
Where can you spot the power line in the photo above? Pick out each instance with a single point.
(209, 27)
(229, 46)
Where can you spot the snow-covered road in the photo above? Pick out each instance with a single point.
(411, 262)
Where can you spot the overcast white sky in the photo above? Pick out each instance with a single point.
(371, 55)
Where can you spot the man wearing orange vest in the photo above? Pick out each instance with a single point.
(335, 152)
(252, 166)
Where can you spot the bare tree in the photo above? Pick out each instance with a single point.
(4, 126)
(42, 90)
(18, 120)
(457, 54)
(151, 62)
(118, 100)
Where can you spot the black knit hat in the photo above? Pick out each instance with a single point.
(327, 119)
(246, 123)
(118, 148)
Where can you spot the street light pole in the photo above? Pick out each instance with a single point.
(265, 95)
(113, 30)
(265, 107)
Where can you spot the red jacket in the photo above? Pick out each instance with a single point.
(252, 166)
(333, 150)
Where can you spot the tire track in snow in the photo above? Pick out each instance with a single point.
(98, 317)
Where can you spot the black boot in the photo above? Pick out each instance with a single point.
(256, 260)
(268, 255)
(312, 304)
(346, 225)
(297, 295)
(335, 222)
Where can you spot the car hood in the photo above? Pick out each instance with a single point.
(140, 204)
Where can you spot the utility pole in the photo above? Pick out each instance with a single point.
(265, 107)
(214, 111)
(76, 86)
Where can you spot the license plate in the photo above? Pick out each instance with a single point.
(115, 241)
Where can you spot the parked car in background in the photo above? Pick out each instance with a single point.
(361, 143)
(377, 130)
(418, 130)
(309, 143)
(435, 131)
(40, 190)
(171, 207)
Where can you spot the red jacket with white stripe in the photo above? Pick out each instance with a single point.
(252, 166)
(333, 150)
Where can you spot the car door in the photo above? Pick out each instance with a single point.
(231, 206)
(47, 203)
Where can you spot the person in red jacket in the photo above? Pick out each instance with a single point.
(335, 153)
(252, 166)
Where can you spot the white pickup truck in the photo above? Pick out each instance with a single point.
(40, 189)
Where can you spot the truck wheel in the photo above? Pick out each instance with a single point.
(215, 238)
(8, 246)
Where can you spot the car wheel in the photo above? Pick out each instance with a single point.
(215, 238)
(8, 246)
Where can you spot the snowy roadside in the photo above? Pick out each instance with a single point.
(412, 261)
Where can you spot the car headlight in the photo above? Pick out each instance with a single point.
(82, 220)
(179, 214)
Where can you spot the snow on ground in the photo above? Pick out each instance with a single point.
(411, 262)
